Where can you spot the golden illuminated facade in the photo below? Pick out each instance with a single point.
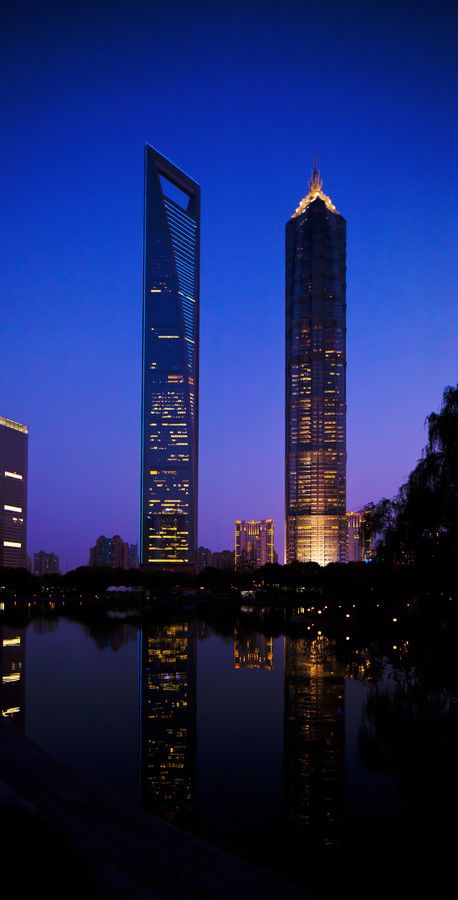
(252, 650)
(170, 366)
(314, 740)
(168, 712)
(253, 543)
(316, 528)
(13, 493)
(12, 687)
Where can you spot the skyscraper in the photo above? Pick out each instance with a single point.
(253, 543)
(13, 493)
(170, 393)
(316, 528)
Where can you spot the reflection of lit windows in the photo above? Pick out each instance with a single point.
(12, 711)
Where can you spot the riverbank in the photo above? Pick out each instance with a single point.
(68, 837)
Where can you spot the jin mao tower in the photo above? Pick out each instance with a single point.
(315, 380)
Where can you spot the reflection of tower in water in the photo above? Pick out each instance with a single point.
(252, 650)
(12, 665)
(168, 713)
(314, 740)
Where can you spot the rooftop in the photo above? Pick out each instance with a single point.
(10, 423)
(315, 192)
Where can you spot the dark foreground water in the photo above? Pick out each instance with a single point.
(337, 770)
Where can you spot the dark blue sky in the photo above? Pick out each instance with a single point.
(241, 98)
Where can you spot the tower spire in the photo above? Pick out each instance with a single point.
(316, 181)
(315, 191)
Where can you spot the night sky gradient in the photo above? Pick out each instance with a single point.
(241, 98)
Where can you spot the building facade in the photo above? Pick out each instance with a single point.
(132, 562)
(13, 493)
(316, 528)
(170, 390)
(45, 563)
(359, 546)
(204, 558)
(253, 543)
(113, 552)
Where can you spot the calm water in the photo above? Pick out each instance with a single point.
(274, 748)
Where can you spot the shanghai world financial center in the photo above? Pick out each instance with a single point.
(170, 392)
(315, 458)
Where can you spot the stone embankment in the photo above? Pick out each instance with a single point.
(69, 838)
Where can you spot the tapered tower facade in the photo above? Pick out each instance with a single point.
(316, 528)
(170, 393)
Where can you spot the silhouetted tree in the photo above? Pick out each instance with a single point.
(420, 525)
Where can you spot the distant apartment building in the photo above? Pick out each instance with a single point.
(224, 559)
(358, 549)
(13, 493)
(204, 558)
(112, 552)
(45, 563)
(253, 543)
(133, 556)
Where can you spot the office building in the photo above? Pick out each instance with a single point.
(113, 552)
(316, 528)
(13, 493)
(45, 563)
(253, 543)
(170, 391)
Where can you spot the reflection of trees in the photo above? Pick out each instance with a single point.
(410, 729)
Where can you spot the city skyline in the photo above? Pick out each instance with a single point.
(72, 242)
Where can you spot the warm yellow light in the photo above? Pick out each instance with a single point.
(13, 475)
(16, 426)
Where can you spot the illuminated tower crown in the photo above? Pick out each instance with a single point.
(315, 191)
